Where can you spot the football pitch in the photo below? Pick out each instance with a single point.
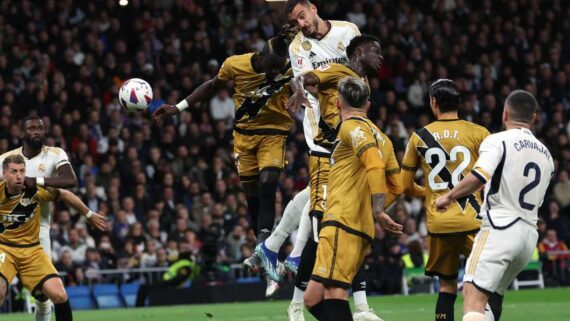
(524, 305)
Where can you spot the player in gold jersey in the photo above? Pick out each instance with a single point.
(363, 164)
(20, 250)
(260, 83)
(446, 150)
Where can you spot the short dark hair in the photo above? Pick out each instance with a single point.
(27, 119)
(446, 94)
(13, 159)
(278, 46)
(290, 5)
(359, 41)
(522, 106)
(354, 92)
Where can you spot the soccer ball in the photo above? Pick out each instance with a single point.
(135, 94)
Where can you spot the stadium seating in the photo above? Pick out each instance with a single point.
(80, 297)
(129, 293)
(107, 296)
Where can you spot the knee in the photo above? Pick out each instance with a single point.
(3, 291)
(448, 286)
(309, 300)
(59, 296)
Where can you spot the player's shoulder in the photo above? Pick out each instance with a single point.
(11, 152)
(476, 128)
(53, 150)
(345, 26)
(295, 46)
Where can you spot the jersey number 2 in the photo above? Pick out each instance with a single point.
(530, 186)
(441, 162)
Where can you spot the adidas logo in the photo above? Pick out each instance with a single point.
(312, 54)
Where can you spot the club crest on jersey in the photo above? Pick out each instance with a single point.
(357, 136)
(341, 46)
(26, 201)
(306, 45)
(42, 168)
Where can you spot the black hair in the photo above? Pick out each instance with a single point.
(446, 95)
(278, 46)
(522, 106)
(27, 119)
(354, 92)
(290, 5)
(359, 41)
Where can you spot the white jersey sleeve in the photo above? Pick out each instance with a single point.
(490, 153)
(60, 157)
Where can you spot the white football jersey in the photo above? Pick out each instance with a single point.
(45, 164)
(517, 169)
(307, 54)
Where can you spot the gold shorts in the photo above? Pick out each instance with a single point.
(444, 254)
(31, 264)
(319, 168)
(339, 256)
(253, 153)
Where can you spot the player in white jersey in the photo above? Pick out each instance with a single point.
(516, 169)
(45, 166)
(320, 42)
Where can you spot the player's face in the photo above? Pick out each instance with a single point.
(34, 133)
(273, 66)
(306, 18)
(14, 176)
(372, 56)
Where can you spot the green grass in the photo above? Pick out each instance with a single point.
(525, 305)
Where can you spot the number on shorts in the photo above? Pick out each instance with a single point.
(530, 186)
(2, 257)
(324, 201)
(441, 162)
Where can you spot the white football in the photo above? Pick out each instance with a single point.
(135, 94)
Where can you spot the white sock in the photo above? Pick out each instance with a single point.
(473, 316)
(489, 316)
(298, 295)
(289, 221)
(303, 233)
(43, 310)
(360, 301)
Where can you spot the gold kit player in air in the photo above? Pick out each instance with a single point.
(262, 123)
(20, 250)
(362, 163)
(446, 150)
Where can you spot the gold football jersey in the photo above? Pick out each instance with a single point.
(329, 78)
(447, 150)
(349, 201)
(259, 103)
(20, 215)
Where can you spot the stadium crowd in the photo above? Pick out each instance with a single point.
(173, 188)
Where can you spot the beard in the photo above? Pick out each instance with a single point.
(35, 143)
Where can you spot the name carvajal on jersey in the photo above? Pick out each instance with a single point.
(523, 143)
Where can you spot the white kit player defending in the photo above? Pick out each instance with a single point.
(516, 169)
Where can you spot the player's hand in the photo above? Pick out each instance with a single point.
(442, 203)
(98, 222)
(29, 182)
(297, 100)
(164, 110)
(388, 224)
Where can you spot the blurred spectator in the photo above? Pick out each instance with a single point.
(75, 246)
(562, 189)
(554, 263)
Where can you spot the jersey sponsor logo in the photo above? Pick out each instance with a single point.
(339, 60)
(306, 45)
(357, 137)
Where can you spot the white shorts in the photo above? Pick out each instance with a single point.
(498, 256)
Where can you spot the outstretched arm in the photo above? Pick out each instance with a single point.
(94, 219)
(66, 179)
(200, 94)
(467, 186)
